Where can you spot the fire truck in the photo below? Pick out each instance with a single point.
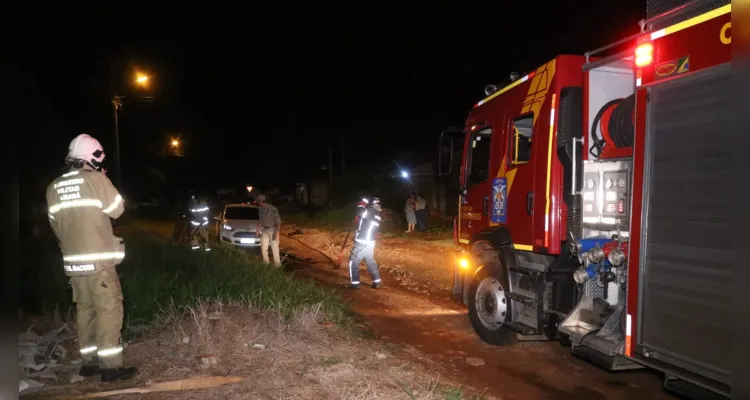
(593, 209)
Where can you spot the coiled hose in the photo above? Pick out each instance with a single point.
(615, 123)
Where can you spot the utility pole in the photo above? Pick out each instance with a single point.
(330, 175)
(117, 102)
(343, 160)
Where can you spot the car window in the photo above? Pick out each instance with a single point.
(241, 213)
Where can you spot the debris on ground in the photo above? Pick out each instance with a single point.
(475, 361)
(261, 351)
(182, 384)
(41, 357)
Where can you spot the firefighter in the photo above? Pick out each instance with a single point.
(368, 218)
(81, 203)
(198, 217)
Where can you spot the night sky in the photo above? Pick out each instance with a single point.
(257, 92)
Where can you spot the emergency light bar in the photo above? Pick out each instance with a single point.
(505, 89)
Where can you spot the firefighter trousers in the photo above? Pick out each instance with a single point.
(200, 238)
(360, 252)
(99, 308)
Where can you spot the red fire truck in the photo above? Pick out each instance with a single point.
(592, 206)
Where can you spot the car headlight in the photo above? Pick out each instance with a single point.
(227, 227)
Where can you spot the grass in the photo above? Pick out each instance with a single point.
(157, 274)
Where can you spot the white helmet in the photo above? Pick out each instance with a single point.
(86, 148)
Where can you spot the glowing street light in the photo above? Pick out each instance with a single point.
(175, 143)
(404, 174)
(141, 79)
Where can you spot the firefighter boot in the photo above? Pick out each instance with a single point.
(118, 374)
(377, 285)
(352, 286)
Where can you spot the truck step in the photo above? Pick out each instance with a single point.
(611, 363)
(523, 329)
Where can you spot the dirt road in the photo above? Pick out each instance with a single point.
(438, 332)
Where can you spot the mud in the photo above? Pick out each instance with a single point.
(436, 331)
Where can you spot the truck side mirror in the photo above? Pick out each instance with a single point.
(445, 156)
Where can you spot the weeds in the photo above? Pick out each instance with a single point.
(156, 275)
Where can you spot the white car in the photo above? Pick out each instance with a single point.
(238, 224)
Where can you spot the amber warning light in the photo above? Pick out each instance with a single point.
(644, 54)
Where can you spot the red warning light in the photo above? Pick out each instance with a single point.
(621, 206)
(644, 54)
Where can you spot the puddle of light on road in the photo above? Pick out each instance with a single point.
(419, 313)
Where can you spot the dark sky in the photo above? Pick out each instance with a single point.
(257, 92)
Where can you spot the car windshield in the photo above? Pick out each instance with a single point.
(241, 213)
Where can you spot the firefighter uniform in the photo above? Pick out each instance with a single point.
(364, 244)
(198, 217)
(81, 203)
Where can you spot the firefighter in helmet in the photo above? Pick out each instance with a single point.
(81, 203)
(198, 220)
(368, 221)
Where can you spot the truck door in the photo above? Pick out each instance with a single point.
(474, 213)
(519, 179)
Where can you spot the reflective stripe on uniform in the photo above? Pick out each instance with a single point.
(112, 255)
(80, 268)
(197, 210)
(196, 223)
(112, 351)
(53, 209)
(71, 173)
(115, 203)
(88, 349)
(364, 241)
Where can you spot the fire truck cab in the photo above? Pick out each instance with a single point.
(592, 206)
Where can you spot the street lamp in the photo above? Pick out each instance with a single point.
(175, 143)
(142, 80)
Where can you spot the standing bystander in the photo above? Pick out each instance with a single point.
(269, 229)
(421, 213)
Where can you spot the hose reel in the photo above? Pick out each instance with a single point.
(615, 126)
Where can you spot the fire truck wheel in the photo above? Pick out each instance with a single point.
(489, 306)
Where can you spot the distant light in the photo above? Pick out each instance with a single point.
(175, 142)
(404, 174)
(141, 79)
(249, 188)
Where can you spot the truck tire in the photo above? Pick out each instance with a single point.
(489, 306)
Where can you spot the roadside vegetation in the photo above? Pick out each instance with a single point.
(157, 274)
(223, 314)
